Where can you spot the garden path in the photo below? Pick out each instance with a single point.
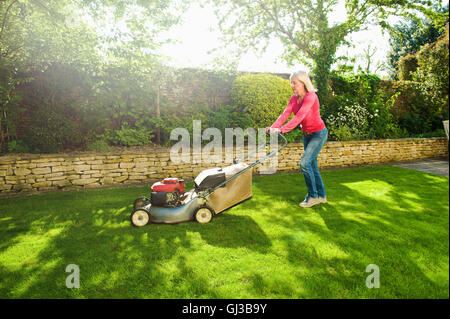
(438, 166)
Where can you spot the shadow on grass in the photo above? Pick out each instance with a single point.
(116, 260)
(376, 216)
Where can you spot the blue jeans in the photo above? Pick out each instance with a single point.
(312, 144)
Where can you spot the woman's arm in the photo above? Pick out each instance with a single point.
(308, 102)
(284, 116)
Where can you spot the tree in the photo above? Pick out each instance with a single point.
(408, 36)
(366, 59)
(36, 35)
(132, 29)
(360, 62)
(304, 26)
(432, 73)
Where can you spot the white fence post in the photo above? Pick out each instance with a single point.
(446, 127)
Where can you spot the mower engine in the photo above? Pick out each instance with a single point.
(168, 192)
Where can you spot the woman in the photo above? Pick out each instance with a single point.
(305, 106)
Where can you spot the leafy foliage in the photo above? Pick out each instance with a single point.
(406, 66)
(304, 27)
(128, 136)
(406, 39)
(52, 131)
(421, 104)
(18, 146)
(39, 36)
(263, 96)
(99, 145)
(9, 102)
(227, 116)
(360, 108)
(349, 119)
(432, 72)
(67, 84)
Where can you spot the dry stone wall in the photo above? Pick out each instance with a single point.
(36, 173)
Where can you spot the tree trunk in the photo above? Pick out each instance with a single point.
(158, 115)
(321, 74)
(2, 137)
(8, 138)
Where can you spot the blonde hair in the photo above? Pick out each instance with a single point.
(303, 77)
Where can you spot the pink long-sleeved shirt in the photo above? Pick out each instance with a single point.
(306, 113)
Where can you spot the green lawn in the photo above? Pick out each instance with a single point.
(266, 247)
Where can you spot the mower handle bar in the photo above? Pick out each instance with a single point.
(270, 154)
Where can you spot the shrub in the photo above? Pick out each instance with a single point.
(294, 136)
(341, 133)
(383, 103)
(432, 72)
(128, 136)
(262, 96)
(415, 110)
(347, 119)
(383, 124)
(52, 132)
(406, 66)
(99, 146)
(227, 116)
(422, 102)
(362, 86)
(170, 120)
(18, 147)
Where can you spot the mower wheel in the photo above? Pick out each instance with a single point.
(140, 217)
(203, 215)
(141, 202)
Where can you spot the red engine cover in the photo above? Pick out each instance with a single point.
(169, 185)
(171, 180)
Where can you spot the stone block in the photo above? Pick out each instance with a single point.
(26, 165)
(62, 168)
(42, 184)
(56, 178)
(105, 166)
(22, 171)
(43, 170)
(107, 181)
(94, 162)
(81, 168)
(120, 179)
(127, 165)
(48, 164)
(61, 183)
(84, 181)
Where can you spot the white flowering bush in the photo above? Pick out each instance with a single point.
(348, 119)
(360, 108)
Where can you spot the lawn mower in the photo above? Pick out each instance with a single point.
(215, 190)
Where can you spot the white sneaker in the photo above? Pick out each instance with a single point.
(323, 200)
(310, 201)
